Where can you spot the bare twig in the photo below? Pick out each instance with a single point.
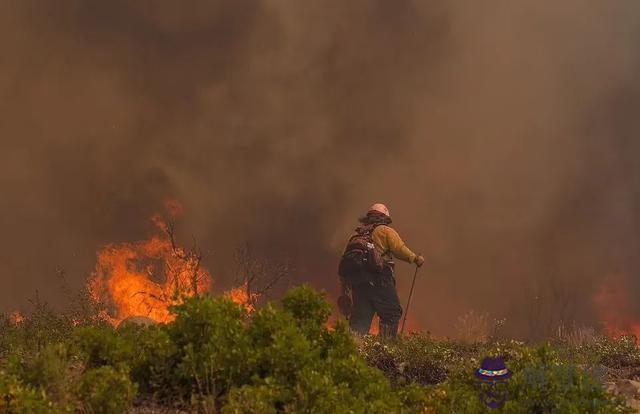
(193, 257)
(258, 276)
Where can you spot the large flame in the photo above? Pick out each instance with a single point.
(145, 278)
(613, 305)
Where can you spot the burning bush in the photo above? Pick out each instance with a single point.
(146, 278)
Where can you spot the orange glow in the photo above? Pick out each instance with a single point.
(242, 296)
(374, 329)
(613, 306)
(17, 318)
(145, 278)
(411, 326)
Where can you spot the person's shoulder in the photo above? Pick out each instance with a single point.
(383, 228)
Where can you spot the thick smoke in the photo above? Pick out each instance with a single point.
(501, 136)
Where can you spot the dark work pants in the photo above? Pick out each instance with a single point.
(377, 296)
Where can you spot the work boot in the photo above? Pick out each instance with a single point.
(388, 331)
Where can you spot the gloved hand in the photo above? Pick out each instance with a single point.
(419, 260)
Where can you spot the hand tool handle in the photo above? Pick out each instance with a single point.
(406, 309)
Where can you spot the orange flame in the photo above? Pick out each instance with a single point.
(412, 326)
(17, 318)
(612, 303)
(374, 329)
(146, 278)
(242, 296)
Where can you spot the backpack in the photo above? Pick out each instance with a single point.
(360, 255)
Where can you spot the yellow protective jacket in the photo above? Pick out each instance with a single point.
(389, 244)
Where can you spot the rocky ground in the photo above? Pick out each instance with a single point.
(629, 389)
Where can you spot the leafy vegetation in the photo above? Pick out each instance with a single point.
(106, 390)
(216, 358)
(18, 397)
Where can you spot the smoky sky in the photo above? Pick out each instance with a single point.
(502, 135)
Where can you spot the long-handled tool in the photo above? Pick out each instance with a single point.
(406, 309)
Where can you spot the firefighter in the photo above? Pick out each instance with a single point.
(374, 291)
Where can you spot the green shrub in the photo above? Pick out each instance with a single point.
(106, 390)
(278, 347)
(11, 336)
(17, 397)
(153, 362)
(545, 388)
(285, 360)
(340, 386)
(416, 358)
(300, 366)
(278, 360)
(101, 345)
(212, 346)
(41, 327)
(249, 399)
(617, 353)
(309, 309)
(540, 384)
(50, 369)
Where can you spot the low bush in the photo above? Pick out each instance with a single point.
(212, 346)
(51, 369)
(540, 384)
(42, 326)
(106, 390)
(416, 358)
(543, 388)
(216, 357)
(279, 360)
(102, 345)
(18, 397)
(615, 353)
(153, 359)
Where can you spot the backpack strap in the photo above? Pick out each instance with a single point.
(386, 255)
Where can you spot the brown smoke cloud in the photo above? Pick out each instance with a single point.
(501, 136)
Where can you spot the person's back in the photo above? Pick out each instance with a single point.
(374, 292)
